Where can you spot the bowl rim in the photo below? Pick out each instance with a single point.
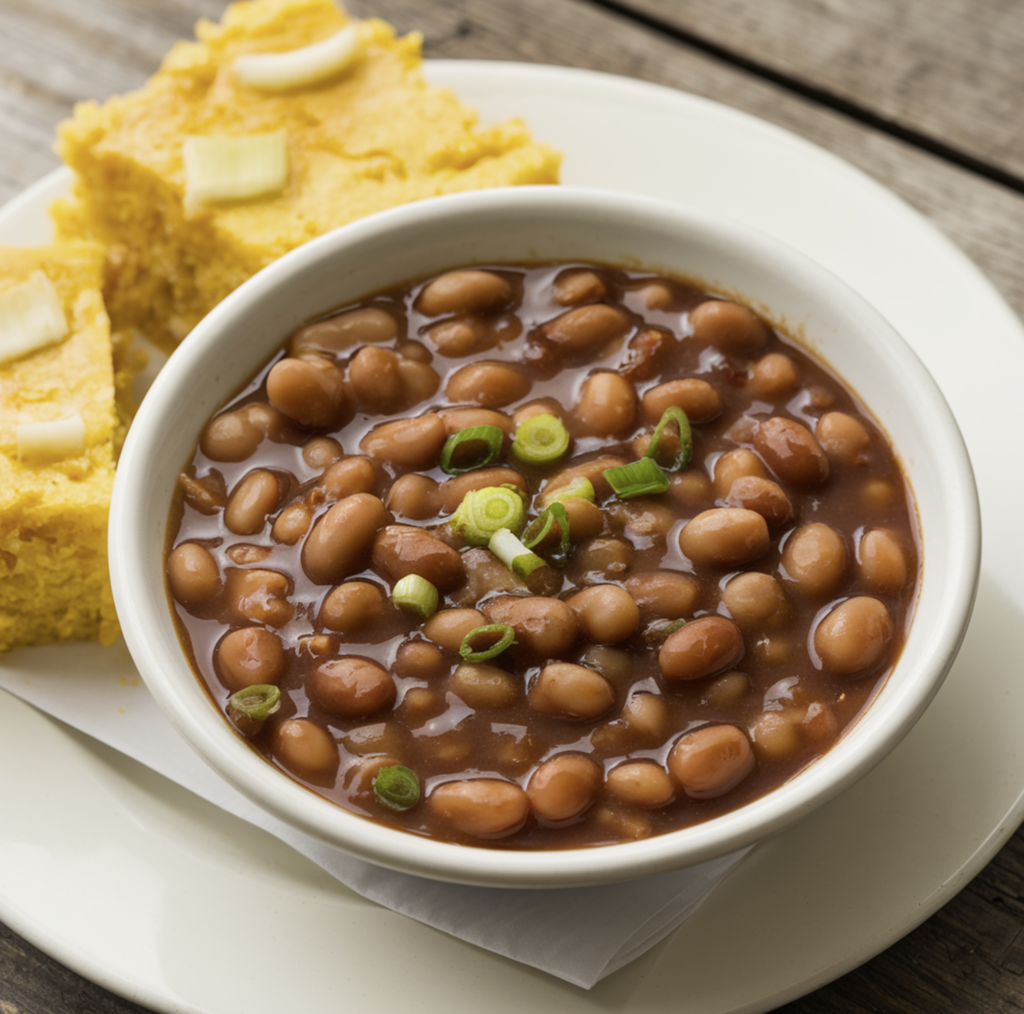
(205, 729)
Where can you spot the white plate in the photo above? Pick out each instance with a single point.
(157, 896)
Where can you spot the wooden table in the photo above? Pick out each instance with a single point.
(924, 95)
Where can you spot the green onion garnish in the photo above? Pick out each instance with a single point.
(637, 478)
(507, 639)
(507, 548)
(580, 487)
(678, 416)
(397, 787)
(416, 594)
(257, 702)
(658, 630)
(539, 528)
(485, 511)
(540, 440)
(464, 447)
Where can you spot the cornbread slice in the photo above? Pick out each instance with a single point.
(370, 137)
(54, 584)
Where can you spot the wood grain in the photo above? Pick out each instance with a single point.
(950, 72)
(948, 69)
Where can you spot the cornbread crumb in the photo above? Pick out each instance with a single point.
(54, 584)
(372, 137)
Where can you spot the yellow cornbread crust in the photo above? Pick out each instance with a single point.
(373, 136)
(54, 583)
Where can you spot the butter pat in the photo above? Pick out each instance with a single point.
(31, 317)
(295, 68)
(234, 168)
(51, 441)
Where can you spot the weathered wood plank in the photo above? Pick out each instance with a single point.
(950, 71)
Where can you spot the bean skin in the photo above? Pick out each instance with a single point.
(563, 787)
(401, 550)
(854, 636)
(791, 451)
(481, 807)
(725, 537)
(710, 760)
(339, 543)
(701, 648)
(352, 687)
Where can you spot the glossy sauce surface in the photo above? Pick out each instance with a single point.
(787, 545)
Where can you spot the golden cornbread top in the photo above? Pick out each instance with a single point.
(74, 376)
(372, 136)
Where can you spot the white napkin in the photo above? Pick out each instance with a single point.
(578, 934)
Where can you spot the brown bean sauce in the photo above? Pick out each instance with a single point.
(812, 513)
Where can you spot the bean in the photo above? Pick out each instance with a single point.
(418, 382)
(571, 691)
(416, 351)
(586, 519)
(230, 436)
(761, 495)
(482, 807)
(310, 391)
(378, 737)
(414, 496)
(244, 553)
(640, 783)
(814, 560)
(407, 443)
(689, 489)
(193, 574)
(657, 294)
(484, 686)
(882, 562)
(486, 575)
(401, 550)
(854, 636)
(642, 518)
(490, 383)
(647, 353)
(255, 497)
(457, 337)
(420, 660)
(292, 524)
(606, 405)
(710, 760)
(259, 596)
(453, 491)
(248, 656)
(544, 627)
(791, 451)
(755, 600)
(542, 406)
(605, 613)
(449, 627)
(563, 787)
(736, 464)
(592, 470)
(351, 475)
(457, 419)
(697, 398)
(344, 330)
(601, 559)
(777, 735)
(615, 664)
(574, 286)
(664, 593)
(878, 495)
(305, 749)
(730, 327)
(320, 452)
(725, 537)
(419, 705)
(844, 438)
(206, 494)
(646, 715)
(352, 687)
(585, 329)
(727, 690)
(339, 543)
(464, 291)
(376, 381)
(773, 376)
(701, 648)
(352, 607)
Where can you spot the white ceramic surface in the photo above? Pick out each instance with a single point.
(152, 898)
(513, 226)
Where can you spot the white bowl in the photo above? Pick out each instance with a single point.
(523, 225)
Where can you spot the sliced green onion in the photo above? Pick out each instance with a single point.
(540, 440)
(507, 639)
(676, 415)
(507, 548)
(31, 317)
(257, 702)
(637, 478)
(484, 511)
(657, 630)
(397, 786)
(539, 528)
(416, 594)
(223, 167)
(459, 444)
(276, 72)
(580, 487)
